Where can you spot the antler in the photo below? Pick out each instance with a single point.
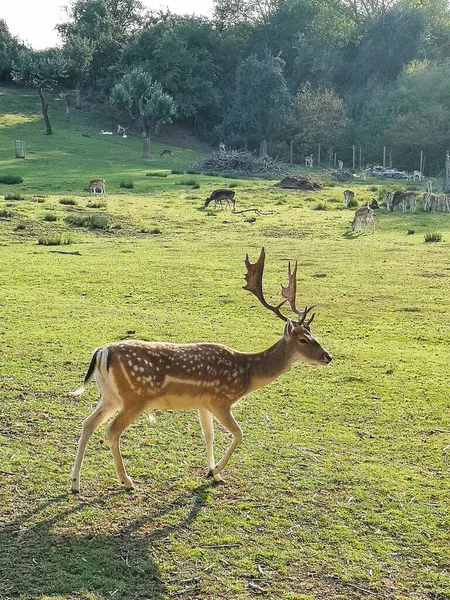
(254, 283)
(254, 277)
(289, 293)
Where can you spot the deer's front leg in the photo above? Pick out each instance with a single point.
(207, 423)
(225, 417)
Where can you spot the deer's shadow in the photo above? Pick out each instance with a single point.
(41, 559)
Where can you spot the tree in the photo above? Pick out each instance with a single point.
(108, 25)
(261, 104)
(78, 52)
(42, 70)
(144, 101)
(229, 13)
(9, 46)
(320, 118)
(179, 53)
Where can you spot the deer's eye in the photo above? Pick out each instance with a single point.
(302, 341)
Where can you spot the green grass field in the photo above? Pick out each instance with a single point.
(340, 489)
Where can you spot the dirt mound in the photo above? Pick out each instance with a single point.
(300, 183)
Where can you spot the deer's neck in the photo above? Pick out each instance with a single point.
(269, 364)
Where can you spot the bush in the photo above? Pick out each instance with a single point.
(68, 201)
(50, 217)
(321, 206)
(352, 203)
(96, 204)
(14, 197)
(156, 174)
(196, 186)
(128, 185)
(10, 179)
(233, 185)
(5, 214)
(433, 237)
(373, 188)
(89, 221)
(20, 227)
(192, 182)
(155, 231)
(54, 240)
(177, 172)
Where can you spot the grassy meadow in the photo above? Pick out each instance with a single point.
(340, 489)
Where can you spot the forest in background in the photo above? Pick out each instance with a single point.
(369, 74)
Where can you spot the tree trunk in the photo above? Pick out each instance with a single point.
(44, 107)
(78, 97)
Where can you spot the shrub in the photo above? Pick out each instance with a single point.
(20, 227)
(128, 185)
(5, 214)
(177, 172)
(233, 185)
(353, 203)
(155, 174)
(196, 186)
(192, 182)
(155, 231)
(50, 217)
(433, 237)
(321, 206)
(14, 197)
(89, 221)
(54, 240)
(96, 204)
(373, 188)
(10, 179)
(68, 201)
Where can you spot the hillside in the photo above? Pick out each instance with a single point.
(64, 162)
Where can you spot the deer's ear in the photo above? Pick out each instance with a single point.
(288, 329)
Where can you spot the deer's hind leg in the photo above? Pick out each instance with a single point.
(105, 408)
(114, 430)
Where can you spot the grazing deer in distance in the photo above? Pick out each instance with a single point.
(218, 195)
(349, 196)
(166, 153)
(404, 200)
(97, 185)
(362, 215)
(135, 376)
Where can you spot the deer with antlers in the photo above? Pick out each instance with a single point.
(135, 376)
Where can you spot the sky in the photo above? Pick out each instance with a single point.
(33, 21)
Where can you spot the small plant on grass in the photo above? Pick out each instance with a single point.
(196, 186)
(96, 204)
(433, 237)
(5, 214)
(14, 196)
(233, 184)
(321, 206)
(155, 231)
(352, 203)
(10, 179)
(128, 185)
(68, 201)
(20, 227)
(177, 172)
(54, 240)
(373, 188)
(156, 174)
(50, 217)
(89, 221)
(192, 182)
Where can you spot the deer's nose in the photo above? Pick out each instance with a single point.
(327, 357)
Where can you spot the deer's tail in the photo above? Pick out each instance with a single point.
(99, 359)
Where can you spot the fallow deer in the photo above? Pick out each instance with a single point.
(97, 185)
(362, 215)
(349, 196)
(166, 153)
(404, 200)
(217, 196)
(136, 376)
